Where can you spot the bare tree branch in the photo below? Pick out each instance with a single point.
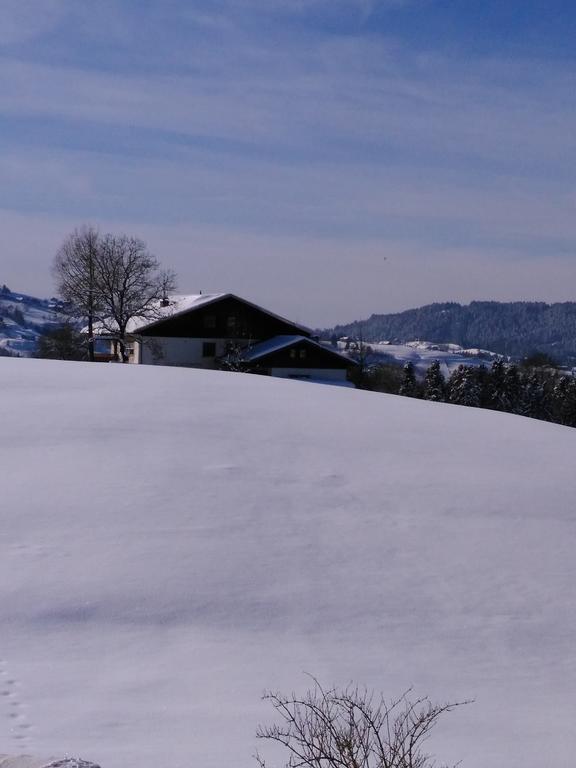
(74, 271)
(351, 728)
(110, 280)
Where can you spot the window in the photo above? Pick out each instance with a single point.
(302, 354)
(292, 353)
(209, 321)
(209, 349)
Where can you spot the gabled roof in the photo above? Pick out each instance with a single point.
(271, 345)
(178, 305)
(265, 348)
(181, 305)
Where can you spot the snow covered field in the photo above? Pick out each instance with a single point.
(175, 541)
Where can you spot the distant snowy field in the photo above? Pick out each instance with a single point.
(423, 353)
(175, 541)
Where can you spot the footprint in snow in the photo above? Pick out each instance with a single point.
(19, 725)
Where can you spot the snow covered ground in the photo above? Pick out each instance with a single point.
(174, 541)
(28, 761)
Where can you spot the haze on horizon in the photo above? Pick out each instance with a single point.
(325, 158)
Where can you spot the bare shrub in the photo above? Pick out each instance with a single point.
(352, 728)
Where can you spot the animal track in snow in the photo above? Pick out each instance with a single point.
(18, 723)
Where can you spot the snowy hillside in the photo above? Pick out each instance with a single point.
(22, 320)
(516, 328)
(175, 541)
(29, 761)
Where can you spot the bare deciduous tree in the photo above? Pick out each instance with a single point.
(110, 280)
(130, 283)
(74, 270)
(352, 728)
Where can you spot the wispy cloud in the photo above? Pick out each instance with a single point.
(342, 93)
(23, 20)
(287, 139)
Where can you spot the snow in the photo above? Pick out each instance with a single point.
(263, 348)
(23, 318)
(27, 761)
(423, 353)
(271, 345)
(177, 305)
(175, 541)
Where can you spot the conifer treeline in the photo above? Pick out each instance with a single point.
(509, 328)
(540, 393)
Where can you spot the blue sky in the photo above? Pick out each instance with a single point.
(327, 158)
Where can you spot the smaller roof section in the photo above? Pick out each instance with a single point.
(277, 343)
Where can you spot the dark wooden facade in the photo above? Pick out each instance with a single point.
(225, 318)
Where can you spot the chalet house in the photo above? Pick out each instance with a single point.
(223, 330)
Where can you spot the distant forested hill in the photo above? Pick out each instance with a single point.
(516, 328)
(23, 319)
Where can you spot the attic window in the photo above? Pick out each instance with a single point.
(302, 354)
(292, 353)
(231, 322)
(209, 321)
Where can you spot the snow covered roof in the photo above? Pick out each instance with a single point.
(179, 305)
(176, 306)
(271, 345)
(283, 342)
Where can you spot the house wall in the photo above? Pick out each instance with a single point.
(159, 350)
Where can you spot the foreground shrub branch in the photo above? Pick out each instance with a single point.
(352, 728)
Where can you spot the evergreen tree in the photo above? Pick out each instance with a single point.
(570, 409)
(434, 384)
(564, 401)
(463, 388)
(484, 385)
(513, 390)
(409, 386)
(534, 397)
(497, 399)
(539, 360)
(63, 343)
